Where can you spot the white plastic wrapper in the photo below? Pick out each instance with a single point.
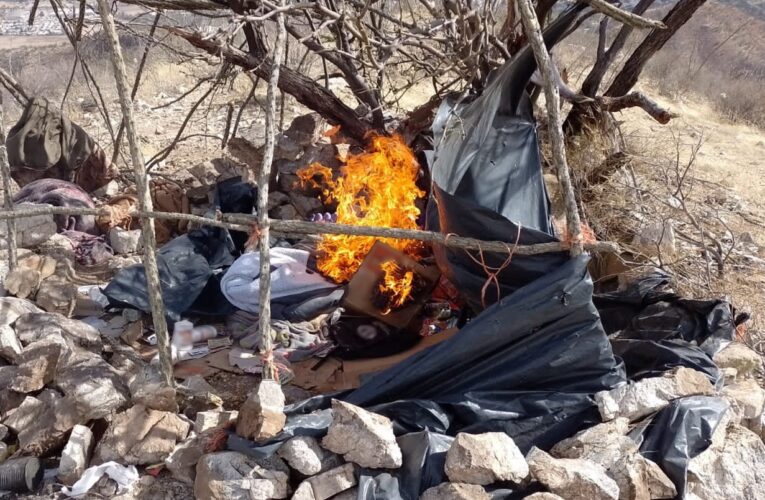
(125, 477)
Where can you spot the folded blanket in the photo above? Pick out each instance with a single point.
(289, 277)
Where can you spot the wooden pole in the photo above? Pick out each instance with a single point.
(144, 195)
(5, 171)
(552, 101)
(266, 337)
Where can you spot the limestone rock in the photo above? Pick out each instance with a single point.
(603, 444)
(747, 399)
(233, 476)
(731, 467)
(262, 416)
(42, 427)
(140, 436)
(95, 385)
(543, 495)
(642, 398)
(207, 420)
(327, 484)
(10, 347)
(303, 454)
(37, 365)
(641, 479)
(455, 491)
(656, 240)
(485, 459)
(124, 241)
(22, 282)
(36, 326)
(746, 361)
(57, 295)
(572, 478)
(76, 455)
(362, 437)
(11, 308)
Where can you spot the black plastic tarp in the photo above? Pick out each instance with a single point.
(487, 179)
(654, 330)
(528, 366)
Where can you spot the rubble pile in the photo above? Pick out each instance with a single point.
(551, 393)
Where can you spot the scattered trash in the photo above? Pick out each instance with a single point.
(125, 477)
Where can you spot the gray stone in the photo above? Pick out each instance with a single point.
(207, 420)
(641, 479)
(76, 455)
(303, 454)
(262, 416)
(455, 491)
(572, 478)
(234, 476)
(140, 436)
(4, 452)
(327, 484)
(642, 398)
(603, 444)
(485, 459)
(11, 308)
(362, 437)
(543, 496)
(36, 326)
(57, 295)
(730, 468)
(10, 347)
(148, 387)
(124, 241)
(110, 189)
(736, 355)
(31, 231)
(3, 432)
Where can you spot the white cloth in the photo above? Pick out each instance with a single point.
(125, 477)
(241, 283)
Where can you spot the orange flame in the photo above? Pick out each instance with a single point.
(397, 285)
(375, 188)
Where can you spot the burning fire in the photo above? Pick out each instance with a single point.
(375, 188)
(396, 285)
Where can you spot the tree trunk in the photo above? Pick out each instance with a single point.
(674, 20)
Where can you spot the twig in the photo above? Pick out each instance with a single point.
(624, 16)
(14, 88)
(144, 196)
(5, 172)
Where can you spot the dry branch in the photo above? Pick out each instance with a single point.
(266, 335)
(624, 16)
(14, 88)
(301, 87)
(144, 195)
(241, 222)
(636, 100)
(5, 173)
(552, 101)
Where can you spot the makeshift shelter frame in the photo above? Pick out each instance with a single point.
(262, 224)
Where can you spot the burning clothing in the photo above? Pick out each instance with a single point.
(290, 278)
(60, 193)
(46, 144)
